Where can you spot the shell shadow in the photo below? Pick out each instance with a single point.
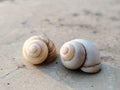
(79, 80)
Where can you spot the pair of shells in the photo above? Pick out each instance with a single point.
(38, 49)
(74, 54)
(81, 54)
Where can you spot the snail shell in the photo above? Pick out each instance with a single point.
(38, 49)
(81, 54)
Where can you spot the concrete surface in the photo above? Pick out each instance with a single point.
(62, 20)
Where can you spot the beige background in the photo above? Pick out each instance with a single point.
(61, 20)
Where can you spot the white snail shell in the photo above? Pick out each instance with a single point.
(80, 53)
(38, 49)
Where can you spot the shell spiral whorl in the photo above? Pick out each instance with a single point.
(80, 53)
(72, 55)
(67, 52)
(38, 49)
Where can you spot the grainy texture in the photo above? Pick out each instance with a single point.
(62, 20)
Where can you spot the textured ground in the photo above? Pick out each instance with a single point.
(62, 20)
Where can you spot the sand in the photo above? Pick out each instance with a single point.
(61, 20)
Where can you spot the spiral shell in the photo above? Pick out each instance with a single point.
(38, 49)
(83, 54)
(75, 55)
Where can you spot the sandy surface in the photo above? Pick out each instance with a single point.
(62, 20)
